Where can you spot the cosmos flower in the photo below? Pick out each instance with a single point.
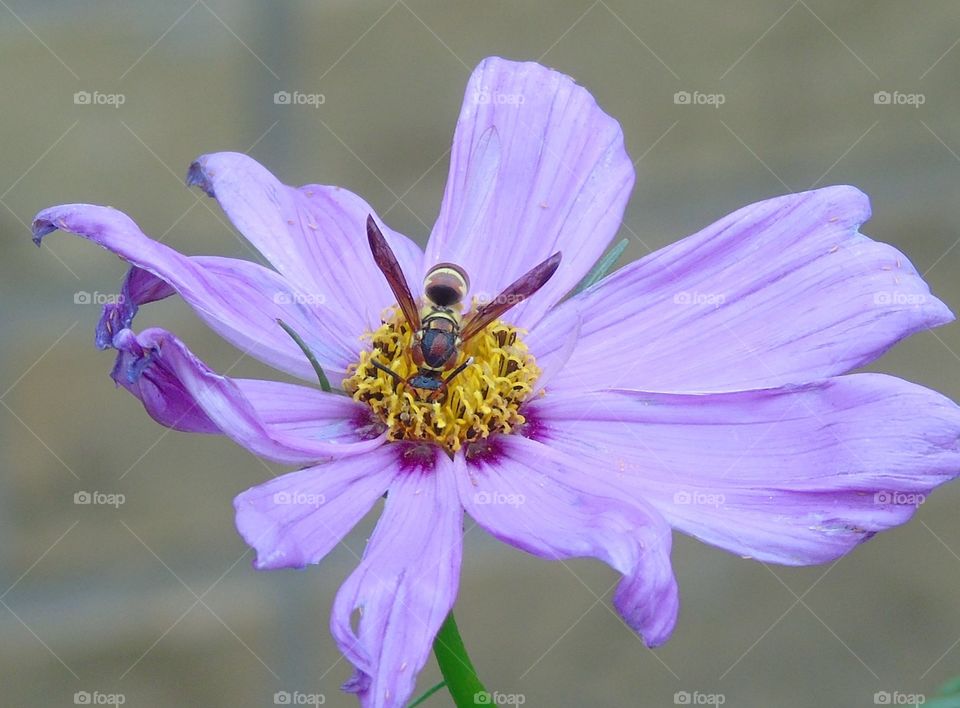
(702, 388)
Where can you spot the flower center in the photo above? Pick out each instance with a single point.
(481, 400)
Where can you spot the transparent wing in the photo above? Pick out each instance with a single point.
(390, 267)
(515, 293)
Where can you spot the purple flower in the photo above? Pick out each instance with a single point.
(700, 388)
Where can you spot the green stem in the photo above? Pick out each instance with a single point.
(321, 376)
(429, 692)
(456, 667)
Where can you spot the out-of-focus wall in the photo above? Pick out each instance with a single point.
(156, 599)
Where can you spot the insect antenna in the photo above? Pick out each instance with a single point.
(386, 369)
(458, 370)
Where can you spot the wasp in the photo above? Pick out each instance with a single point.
(439, 329)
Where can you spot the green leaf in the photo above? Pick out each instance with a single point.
(942, 702)
(951, 687)
(456, 667)
(947, 697)
(602, 267)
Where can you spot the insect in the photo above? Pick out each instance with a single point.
(439, 329)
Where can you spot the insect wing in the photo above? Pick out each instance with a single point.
(513, 294)
(390, 267)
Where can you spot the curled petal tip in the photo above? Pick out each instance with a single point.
(197, 177)
(41, 227)
(125, 339)
(358, 683)
(107, 325)
(115, 318)
(132, 358)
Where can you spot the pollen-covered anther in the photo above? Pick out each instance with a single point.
(481, 400)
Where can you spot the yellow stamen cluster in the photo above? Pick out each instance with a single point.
(483, 399)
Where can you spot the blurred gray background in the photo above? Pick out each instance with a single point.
(156, 600)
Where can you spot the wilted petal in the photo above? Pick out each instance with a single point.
(240, 300)
(139, 287)
(314, 235)
(298, 518)
(536, 499)
(407, 581)
(536, 167)
(783, 291)
(794, 475)
(181, 392)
